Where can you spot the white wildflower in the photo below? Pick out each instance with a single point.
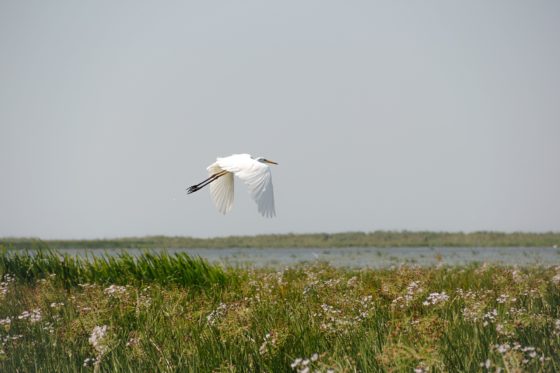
(435, 298)
(144, 300)
(4, 285)
(533, 354)
(502, 298)
(96, 340)
(33, 316)
(503, 330)
(49, 327)
(115, 290)
(304, 365)
(6, 321)
(503, 348)
(352, 282)
(296, 362)
(411, 291)
(329, 309)
(217, 313)
(490, 317)
(269, 339)
(557, 327)
(487, 364)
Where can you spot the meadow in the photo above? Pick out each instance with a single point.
(173, 313)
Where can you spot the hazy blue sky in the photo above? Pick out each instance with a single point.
(438, 115)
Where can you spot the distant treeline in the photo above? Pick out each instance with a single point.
(349, 239)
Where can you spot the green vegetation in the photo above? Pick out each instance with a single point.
(179, 269)
(469, 319)
(350, 239)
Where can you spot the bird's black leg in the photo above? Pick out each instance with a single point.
(202, 184)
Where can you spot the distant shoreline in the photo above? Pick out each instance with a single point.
(318, 240)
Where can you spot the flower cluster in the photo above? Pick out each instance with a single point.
(435, 298)
(412, 290)
(220, 311)
(490, 317)
(527, 353)
(504, 298)
(556, 330)
(5, 322)
(505, 329)
(89, 361)
(333, 320)
(420, 369)
(98, 342)
(304, 365)
(132, 341)
(4, 285)
(366, 304)
(315, 284)
(352, 282)
(269, 339)
(5, 340)
(96, 339)
(33, 316)
(115, 290)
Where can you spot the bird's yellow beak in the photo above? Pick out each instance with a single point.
(271, 162)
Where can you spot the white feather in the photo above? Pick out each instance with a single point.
(256, 175)
(221, 190)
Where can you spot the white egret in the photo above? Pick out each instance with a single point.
(254, 172)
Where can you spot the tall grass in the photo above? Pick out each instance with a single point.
(466, 319)
(161, 268)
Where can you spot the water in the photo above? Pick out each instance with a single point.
(356, 257)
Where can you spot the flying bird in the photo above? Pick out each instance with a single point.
(254, 172)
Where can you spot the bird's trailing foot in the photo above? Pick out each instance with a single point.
(201, 185)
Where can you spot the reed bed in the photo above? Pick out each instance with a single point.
(325, 240)
(480, 318)
(123, 268)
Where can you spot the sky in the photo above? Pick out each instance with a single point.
(382, 115)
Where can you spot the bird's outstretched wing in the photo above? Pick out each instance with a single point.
(221, 190)
(258, 178)
(260, 187)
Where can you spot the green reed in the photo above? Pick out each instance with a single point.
(162, 268)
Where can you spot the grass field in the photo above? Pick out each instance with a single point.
(168, 313)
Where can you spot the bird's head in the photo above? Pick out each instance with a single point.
(264, 160)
